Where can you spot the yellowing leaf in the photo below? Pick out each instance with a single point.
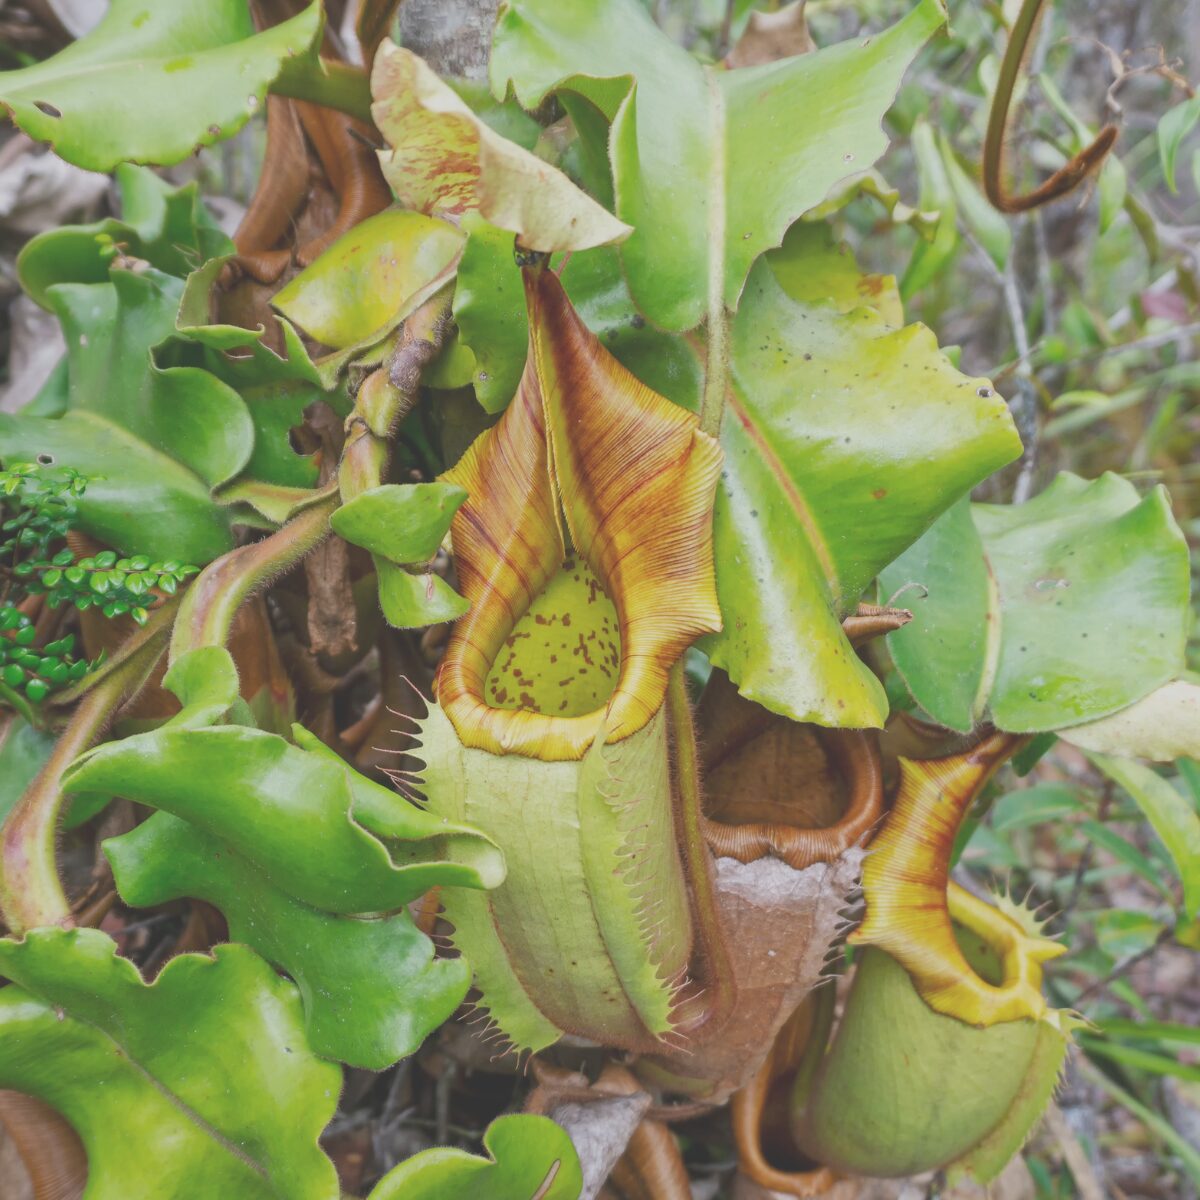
(444, 161)
(1162, 726)
(371, 278)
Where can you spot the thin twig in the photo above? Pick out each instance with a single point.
(1066, 178)
(1086, 858)
(1152, 341)
(1123, 968)
(1074, 1155)
(1023, 405)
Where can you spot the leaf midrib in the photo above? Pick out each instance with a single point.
(791, 491)
(993, 624)
(176, 1101)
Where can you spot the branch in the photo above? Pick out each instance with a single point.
(31, 892)
(388, 394)
(215, 595)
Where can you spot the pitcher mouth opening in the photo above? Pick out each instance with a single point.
(776, 788)
(913, 907)
(563, 656)
(591, 468)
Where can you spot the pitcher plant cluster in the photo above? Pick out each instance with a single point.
(558, 407)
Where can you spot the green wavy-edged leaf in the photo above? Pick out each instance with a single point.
(413, 601)
(198, 1085)
(167, 227)
(276, 388)
(529, 1158)
(138, 500)
(710, 166)
(371, 987)
(112, 331)
(403, 524)
(155, 81)
(172, 231)
(153, 437)
(1046, 614)
(312, 825)
(844, 439)
(164, 407)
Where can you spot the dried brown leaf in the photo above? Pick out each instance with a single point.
(779, 924)
(770, 36)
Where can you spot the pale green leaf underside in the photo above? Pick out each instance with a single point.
(1162, 726)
